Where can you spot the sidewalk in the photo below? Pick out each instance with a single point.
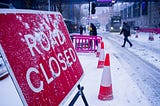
(125, 91)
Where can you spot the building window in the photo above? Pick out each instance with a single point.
(125, 13)
(144, 8)
(122, 15)
(129, 12)
(136, 9)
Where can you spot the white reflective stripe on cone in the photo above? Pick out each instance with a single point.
(106, 77)
(99, 48)
(102, 55)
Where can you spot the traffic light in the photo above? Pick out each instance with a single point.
(93, 10)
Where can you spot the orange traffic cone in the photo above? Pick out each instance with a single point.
(101, 57)
(98, 48)
(105, 92)
(151, 37)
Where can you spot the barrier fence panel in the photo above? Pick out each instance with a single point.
(85, 43)
(150, 30)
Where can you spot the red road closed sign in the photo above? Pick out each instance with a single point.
(40, 56)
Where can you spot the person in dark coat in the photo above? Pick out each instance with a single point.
(93, 30)
(81, 29)
(126, 32)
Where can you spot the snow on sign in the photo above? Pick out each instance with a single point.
(39, 55)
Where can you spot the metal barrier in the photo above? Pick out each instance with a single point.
(150, 30)
(85, 43)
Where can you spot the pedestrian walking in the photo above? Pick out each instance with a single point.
(81, 29)
(84, 28)
(126, 32)
(93, 32)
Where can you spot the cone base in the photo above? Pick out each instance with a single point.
(98, 54)
(100, 64)
(105, 93)
(105, 98)
(151, 38)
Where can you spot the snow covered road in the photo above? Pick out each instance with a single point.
(143, 70)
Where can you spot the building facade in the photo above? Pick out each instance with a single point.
(142, 14)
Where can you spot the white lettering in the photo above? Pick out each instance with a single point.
(61, 60)
(32, 44)
(73, 54)
(67, 58)
(61, 37)
(53, 39)
(29, 71)
(45, 75)
(45, 40)
(51, 68)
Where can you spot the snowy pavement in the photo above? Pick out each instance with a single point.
(135, 78)
(125, 90)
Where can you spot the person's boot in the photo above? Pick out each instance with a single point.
(123, 46)
(131, 45)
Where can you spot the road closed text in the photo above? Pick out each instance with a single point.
(40, 43)
(39, 56)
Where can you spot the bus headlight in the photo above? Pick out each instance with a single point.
(111, 28)
(120, 27)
